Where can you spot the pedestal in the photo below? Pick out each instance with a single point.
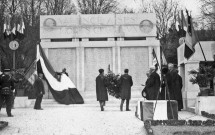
(205, 103)
(145, 110)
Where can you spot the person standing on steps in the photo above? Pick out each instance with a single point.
(40, 91)
(101, 90)
(125, 89)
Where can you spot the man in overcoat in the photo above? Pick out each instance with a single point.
(174, 82)
(179, 85)
(40, 91)
(125, 89)
(153, 84)
(101, 90)
(6, 92)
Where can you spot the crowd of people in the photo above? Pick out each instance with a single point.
(166, 87)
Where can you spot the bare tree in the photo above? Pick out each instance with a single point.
(59, 7)
(97, 6)
(166, 12)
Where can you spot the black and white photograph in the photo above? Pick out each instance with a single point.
(107, 67)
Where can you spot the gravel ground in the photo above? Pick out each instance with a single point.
(71, 121)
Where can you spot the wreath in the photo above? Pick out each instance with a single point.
(112, 84)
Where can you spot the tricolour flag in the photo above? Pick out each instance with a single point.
(154, 61)
(63, 91)
(13, 32)
(20, 30)
(6, 28)
(165, 110)
(163, 59)
(191, 39)
(183, 21)
(31, 74)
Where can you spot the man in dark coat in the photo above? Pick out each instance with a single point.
(174, 82)
(179, 85)
(40, 91)
(6, 92)
(101, 91)
(125, 89)
(153, 84)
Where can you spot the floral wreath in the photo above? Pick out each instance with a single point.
(112, 83)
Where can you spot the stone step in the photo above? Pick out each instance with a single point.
(134, 94)
(191, 109)
(89, 100)
(53, 103)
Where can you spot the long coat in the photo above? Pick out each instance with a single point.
(125, 86)
(152, 86)
(101, 90)
(174, 82)
(39, 87)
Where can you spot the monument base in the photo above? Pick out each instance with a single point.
(205, 103)
(22, 102)
(145, 110)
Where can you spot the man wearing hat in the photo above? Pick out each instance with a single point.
(101, 90)
(40, 91)
(125, 89)
(6, 92)
(153, 84)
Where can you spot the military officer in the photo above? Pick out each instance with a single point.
(6, 92)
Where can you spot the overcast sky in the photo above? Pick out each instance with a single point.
(191, 5)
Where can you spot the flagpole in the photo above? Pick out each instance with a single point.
(202, 51)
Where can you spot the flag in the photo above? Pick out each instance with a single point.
(190, 40)
(63, 89)
(145, 110)
(154, 61)
(20, 30)
(31, 74)
(13, 33)
(183, 21)
(163, 59)
(178, 23)
(6, 29)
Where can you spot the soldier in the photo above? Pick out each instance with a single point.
(101, 90)
(40, 91)
(125, 89)
(6, 92)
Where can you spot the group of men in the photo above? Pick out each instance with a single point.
(170, 84)
(125, 89)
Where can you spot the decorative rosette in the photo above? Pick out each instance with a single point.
(112, 84)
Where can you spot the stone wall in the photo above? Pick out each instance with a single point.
(84, 43)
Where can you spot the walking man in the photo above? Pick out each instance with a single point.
(125, 89)
(101, 91)
(6, 92)
(40, 91)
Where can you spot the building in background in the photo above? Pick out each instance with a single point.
(85, 43)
